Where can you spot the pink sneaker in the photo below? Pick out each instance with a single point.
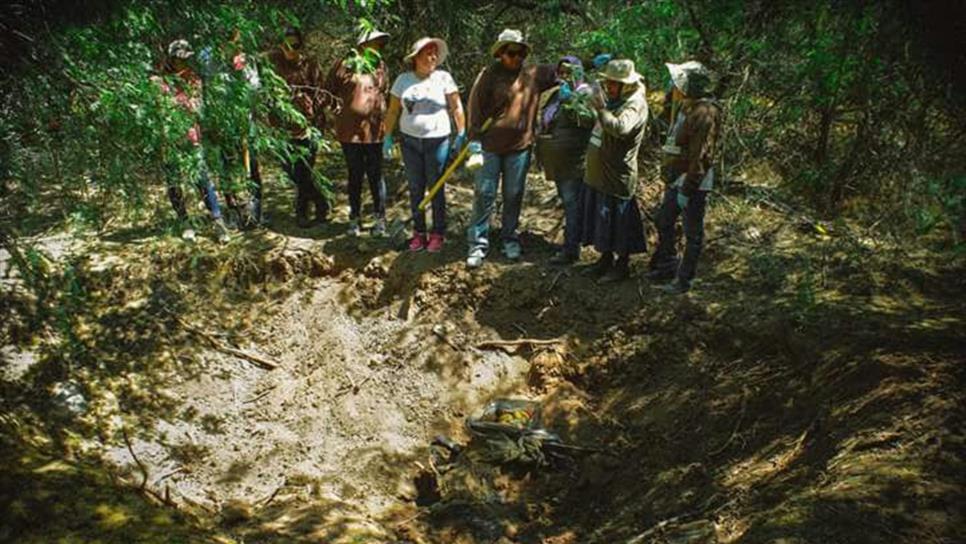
(417, 242)
(435, 243)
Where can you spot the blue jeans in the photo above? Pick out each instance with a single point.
(202, 183)
(665, 257)
(425, 159)
(571, 192)
(513, 166)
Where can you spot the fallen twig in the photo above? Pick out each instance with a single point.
(556, 279)
(261, 395)
(734, 432)
(141, 467)
(254, 358)
(492, 344)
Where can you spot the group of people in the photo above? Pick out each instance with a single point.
(586, 131)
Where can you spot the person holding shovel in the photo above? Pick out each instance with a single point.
(506, 93)
(426, 103)
(612, 219)
(359, 83)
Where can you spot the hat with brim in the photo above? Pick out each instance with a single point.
(620, 70)
(423, 42)
(509, 36)
(372, 36)
(691, 78)
(180, 49)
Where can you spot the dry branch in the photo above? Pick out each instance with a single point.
(497, 344)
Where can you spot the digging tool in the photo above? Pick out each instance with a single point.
(463, 154)
(397, 228)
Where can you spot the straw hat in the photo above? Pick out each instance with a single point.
(621, 70)
(507, 37)
(423, 42)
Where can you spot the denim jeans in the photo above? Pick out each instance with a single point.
(571, 192)
(365, 161)
(299, 170)
(665, 257)
(425, 159)
(513, 167)
(203, 183)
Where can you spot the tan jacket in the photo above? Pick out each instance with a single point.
(361, 103)
(614, 144)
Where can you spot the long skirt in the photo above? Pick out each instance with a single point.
(612, 224)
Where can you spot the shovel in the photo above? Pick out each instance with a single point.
(397, 228)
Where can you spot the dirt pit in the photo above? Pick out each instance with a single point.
(353, 401)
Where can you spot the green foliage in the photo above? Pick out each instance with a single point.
(365, 62)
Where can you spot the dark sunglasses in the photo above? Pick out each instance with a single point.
(516, 52)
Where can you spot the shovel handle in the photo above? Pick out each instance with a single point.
(452, 168)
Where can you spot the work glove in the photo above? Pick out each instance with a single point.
(566, 92)
(387, 147)
(682, 200)
(475, 162)
(458, 142)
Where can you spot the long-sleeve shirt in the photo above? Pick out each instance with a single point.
(614, 144)
(510, 98)
(304, 78)
(185, 91)
(697, 140)
(361, 102)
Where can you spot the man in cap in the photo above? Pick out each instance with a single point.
(507, 92)
(359, 85)
(689, 158)
(304, 78)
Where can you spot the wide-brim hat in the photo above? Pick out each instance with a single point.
(423, 42)
(507, 37)
(371, 36)
(621, 70)
(692, 78)
(180, 49)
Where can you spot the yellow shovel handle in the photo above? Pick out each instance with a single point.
(452, 168)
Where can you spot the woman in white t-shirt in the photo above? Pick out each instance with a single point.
(426, 102)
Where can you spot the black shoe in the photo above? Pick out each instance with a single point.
(562, 258)
(676, 287)
(601, 267)
(303, 222)
(616, 274)
(660, 275)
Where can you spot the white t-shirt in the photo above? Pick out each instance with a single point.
(424, 110)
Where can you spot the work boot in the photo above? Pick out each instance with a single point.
(676, 287)
(660, 275)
